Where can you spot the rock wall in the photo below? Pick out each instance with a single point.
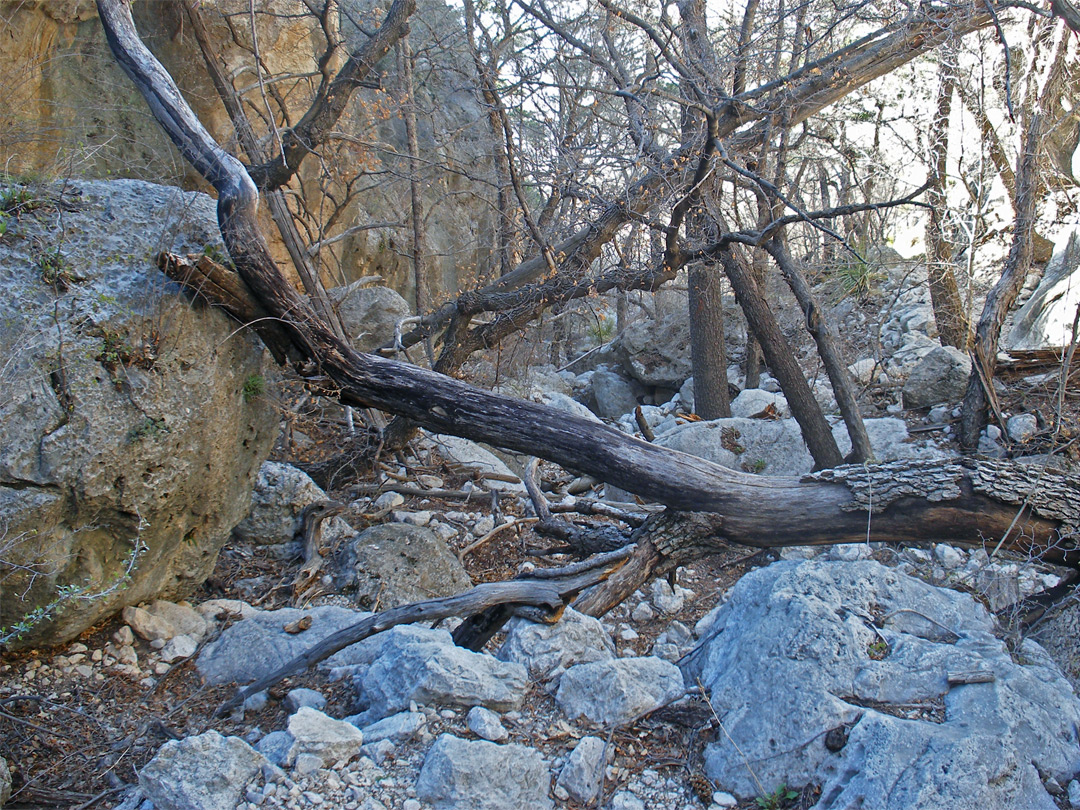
(70, 111)
(130, 423)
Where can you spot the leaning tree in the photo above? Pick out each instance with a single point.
(967, 502)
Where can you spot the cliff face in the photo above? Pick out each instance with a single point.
(70, 111)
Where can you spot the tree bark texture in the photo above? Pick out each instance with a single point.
(952, 322)
(708, 356)
(825, 337)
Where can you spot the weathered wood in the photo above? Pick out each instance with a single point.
(825, 338)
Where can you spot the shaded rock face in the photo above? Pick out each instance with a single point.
(1046, 318)
(941, 377)
(872, 709)
(66, 100)
(369, 314)
(657, 353)
(394, 564)
(124, 423)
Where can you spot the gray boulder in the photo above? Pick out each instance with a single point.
(481, 775)
(316, 734)
(131, 426)
(397, 563)
(546, 650)
(754, 445)
(612, 395)
(468, 457)
(486, 724)
(877, 706)
(656, 354)
(563, 402)
(435, 671)
(207, 772)
(396, 728)
(613, 692)
(369, 314)
(261, 644)
(939, 377)
(280, 495)
(582, 777)
(753, 402)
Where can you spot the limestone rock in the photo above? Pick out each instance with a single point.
(280, 495)
(369, 314)
(184, 619)
(582, 776)
(437, 672)
(867, 652)
(320, 735)
(656, 353)
(485, 724)
(257, 646)
(1046, 318)
(207, 772)
(301, 698)
(396, 728)
(470, 458)
(940, 377)
(546, 650)
(612, 395)
(564, 402)
(146, 625)
(771, 447)
(396, 563)
(122, 401)
(481, 775)
(755, 402)
(616, 691)
(178, 648)
(275, 746)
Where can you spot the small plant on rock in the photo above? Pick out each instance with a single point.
(254, 386)
(778, 799)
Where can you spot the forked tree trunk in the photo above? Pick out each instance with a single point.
(953, 501)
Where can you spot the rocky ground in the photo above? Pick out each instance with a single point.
(853, 676)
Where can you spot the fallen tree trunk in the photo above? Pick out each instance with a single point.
(1032, 509)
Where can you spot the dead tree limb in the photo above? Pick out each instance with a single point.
(551, 594)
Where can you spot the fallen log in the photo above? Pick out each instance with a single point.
(1030, 509)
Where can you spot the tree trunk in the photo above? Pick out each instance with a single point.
(825, 338)
(708, 357)
(1002, 296)
(952, 322)
(816, 431)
